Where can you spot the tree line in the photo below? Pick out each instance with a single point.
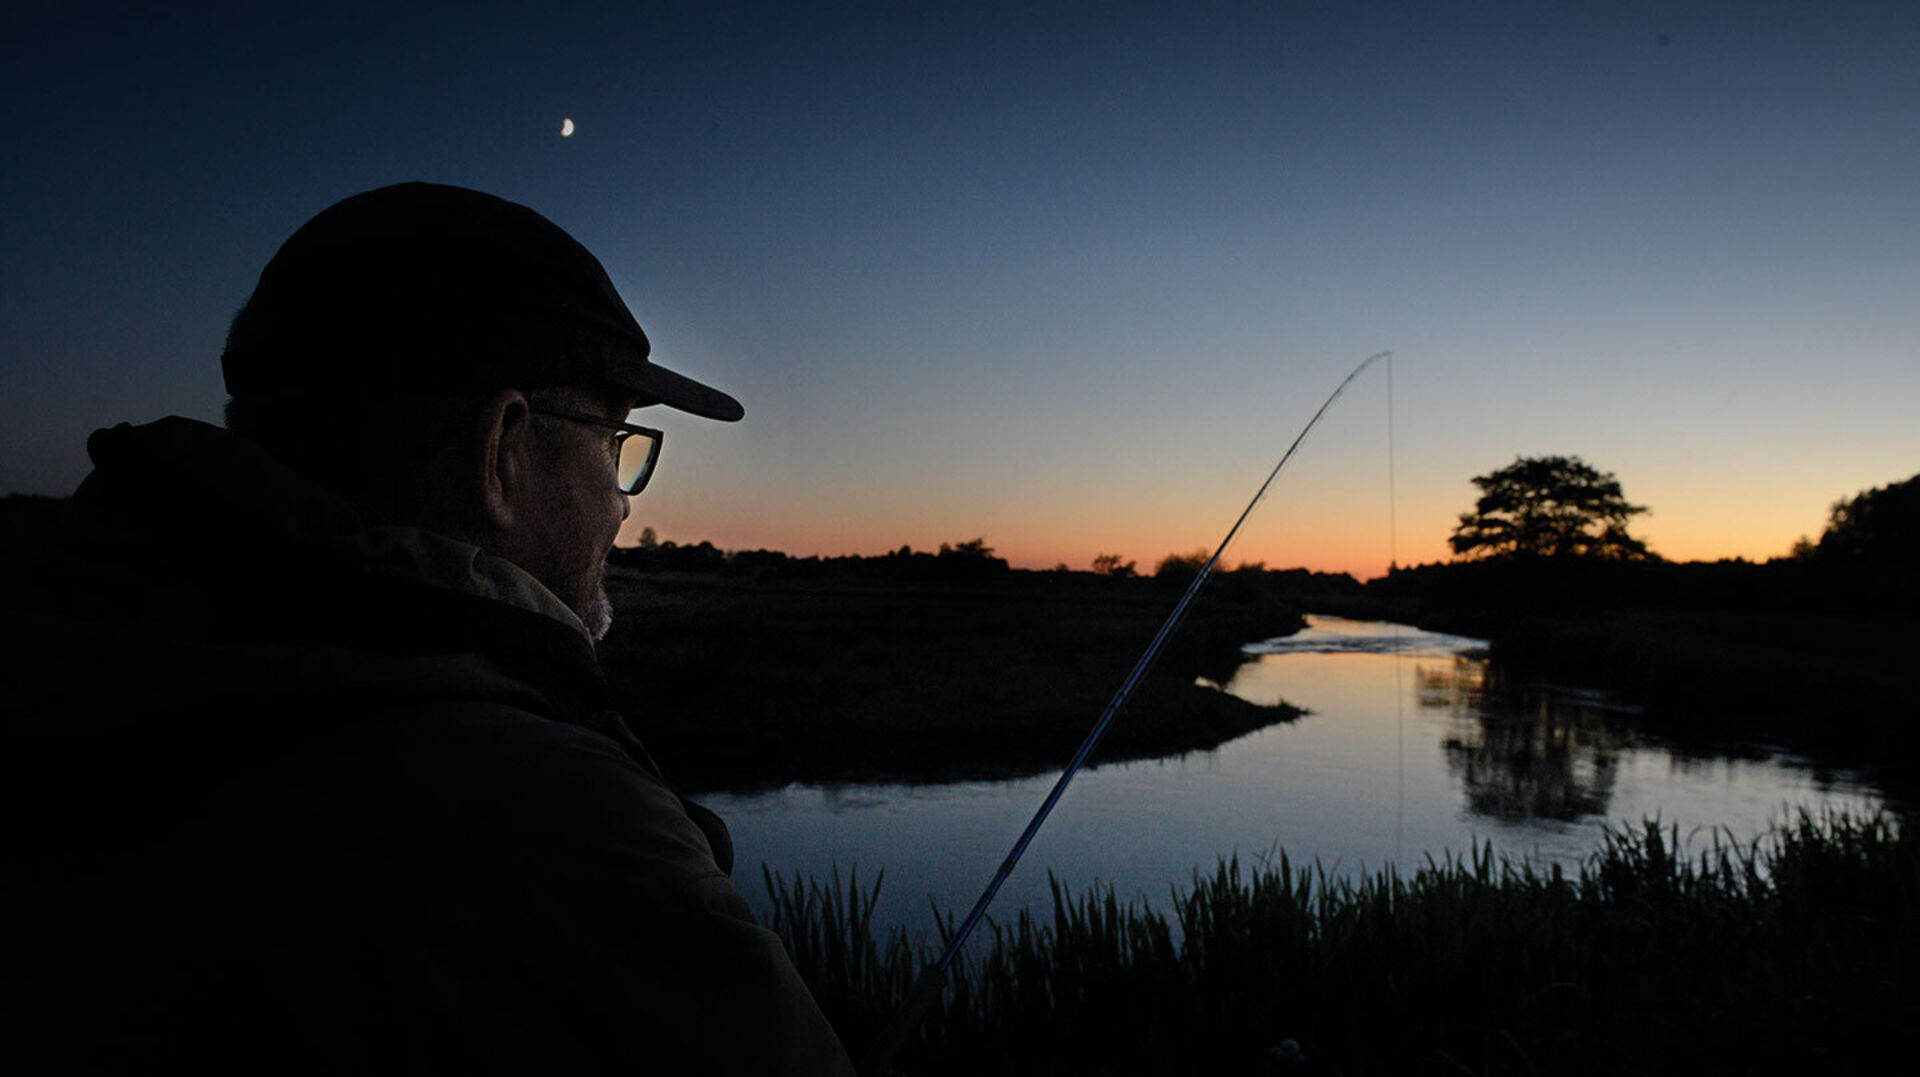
(1563, 507)
(967, 560)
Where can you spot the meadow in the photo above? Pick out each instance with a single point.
(738, 680)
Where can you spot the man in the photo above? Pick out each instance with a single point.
(309, 765)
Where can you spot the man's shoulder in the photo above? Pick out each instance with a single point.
(503, 782)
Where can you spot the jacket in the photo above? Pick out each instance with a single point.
(292, 789)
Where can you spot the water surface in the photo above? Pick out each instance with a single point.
(1414, 747)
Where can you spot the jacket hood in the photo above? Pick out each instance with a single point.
(211, 498)
(194, 551)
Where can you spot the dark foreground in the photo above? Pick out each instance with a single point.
(1799, 953)
(735, 681)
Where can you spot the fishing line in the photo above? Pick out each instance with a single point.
(1399, 673)
(933, 979)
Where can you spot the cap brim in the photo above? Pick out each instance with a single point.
(662, 386)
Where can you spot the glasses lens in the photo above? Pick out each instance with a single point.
(637, 454)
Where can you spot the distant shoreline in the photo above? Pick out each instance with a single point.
(1802, 655)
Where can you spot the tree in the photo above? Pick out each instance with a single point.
(974, 548)
(1881, 524)
(1111, 564)
(1549, 506)
(1181, 568)
(971, 559)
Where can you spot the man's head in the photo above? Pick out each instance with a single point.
(442, 354)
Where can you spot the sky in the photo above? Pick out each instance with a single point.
(1068, 277)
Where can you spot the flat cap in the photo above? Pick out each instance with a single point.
(422, 288)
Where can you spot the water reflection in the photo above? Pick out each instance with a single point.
(1524, 752)
(1414, 747)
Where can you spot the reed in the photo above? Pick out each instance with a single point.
(1660, 953)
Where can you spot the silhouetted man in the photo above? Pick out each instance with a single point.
(309, 763)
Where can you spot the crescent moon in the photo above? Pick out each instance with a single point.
(566, 127)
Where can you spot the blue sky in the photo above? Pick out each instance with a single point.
(1068, 276)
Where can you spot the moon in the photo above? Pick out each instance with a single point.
(566, 127)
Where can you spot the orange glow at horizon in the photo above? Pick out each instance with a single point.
(1355, 540)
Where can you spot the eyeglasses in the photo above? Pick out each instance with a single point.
(634, 449)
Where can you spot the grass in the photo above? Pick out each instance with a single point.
(1797, 951)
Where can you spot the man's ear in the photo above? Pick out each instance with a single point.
(501, 455)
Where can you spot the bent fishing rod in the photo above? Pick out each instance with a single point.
(933, 979)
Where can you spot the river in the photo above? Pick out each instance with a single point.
(1413, 748)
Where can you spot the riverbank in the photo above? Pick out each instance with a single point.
(1798, 952)
(1793, 655)
(740, 681)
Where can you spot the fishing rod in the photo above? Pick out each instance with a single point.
(933, 979)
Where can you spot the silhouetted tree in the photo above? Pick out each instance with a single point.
(1181, 568)
(1881, 524)
(972, 559)
(973, 547)
(1549, 506)
(760, 562)
(1110, 564)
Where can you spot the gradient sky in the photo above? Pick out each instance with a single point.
(1066, 276)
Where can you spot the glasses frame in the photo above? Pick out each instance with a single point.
(621, 432)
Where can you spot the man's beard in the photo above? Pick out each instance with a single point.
(598, 614)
